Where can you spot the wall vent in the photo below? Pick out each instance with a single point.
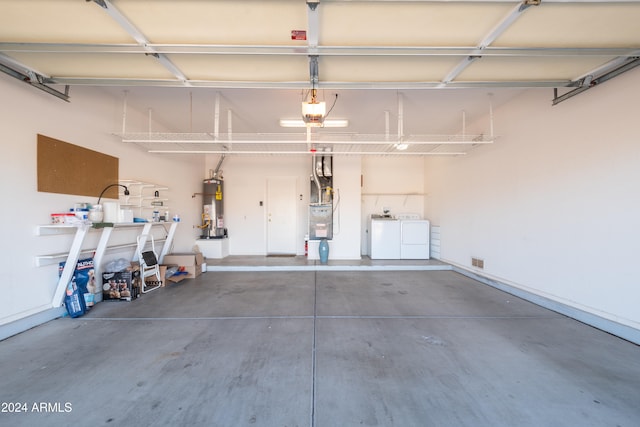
(477, 262)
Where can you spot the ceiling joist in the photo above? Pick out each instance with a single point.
(140, 38)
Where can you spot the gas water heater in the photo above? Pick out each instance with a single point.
(213, 210)
(321, 198)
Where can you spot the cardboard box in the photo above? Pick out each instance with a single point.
(188, 262)
(178, 277)
(163, 273)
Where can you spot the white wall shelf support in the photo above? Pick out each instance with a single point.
(75, 251)
(97, 260)
(70, 266)
(140, 245)
(168, 242)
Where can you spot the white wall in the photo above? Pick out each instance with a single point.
(553, 206)
(88, 121)
(245, 186)
(387, 181)
(394, 182)
(245, 183)
(346, 217)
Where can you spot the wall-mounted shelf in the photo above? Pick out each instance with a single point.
(141, 197)
(405, 195)
(98, 253)
(42, 260)
(52, 229)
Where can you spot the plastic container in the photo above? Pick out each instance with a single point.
(111, 211)
(82, 214)
(96, 214)
(61, 218)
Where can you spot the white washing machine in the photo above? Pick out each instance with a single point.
(414, 237)
(384, 238)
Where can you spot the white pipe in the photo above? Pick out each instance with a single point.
(216, 118)
(150, 115)
(400, 117)
(315, 178)
(314, 172)
(386, 125)
(190, 111)
(124, 112)
(464, 124)
(229, 123)
(491, 117)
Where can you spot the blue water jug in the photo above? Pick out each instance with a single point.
(323, 249)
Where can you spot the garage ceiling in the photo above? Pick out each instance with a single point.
(220, 74)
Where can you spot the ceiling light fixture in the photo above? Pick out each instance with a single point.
(328, 123)
(313, 111)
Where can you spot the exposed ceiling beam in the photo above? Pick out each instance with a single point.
(141, 39)
(482, 1)
(372, 85)
(184, 49)
(500, 28)
(27, 75)
(313, 36)
(400, 85)
(590, 81)
(313, 23)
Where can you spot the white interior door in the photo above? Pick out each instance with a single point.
(281, 215)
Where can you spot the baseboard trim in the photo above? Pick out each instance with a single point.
(623, 331)
(26, 323)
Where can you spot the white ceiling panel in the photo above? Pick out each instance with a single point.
(217, 22)
(586, 25)
(407, 23)
(533, 69)
(243, 67)
(385, 69)
(96, 66)
(430, 59)
(59, 21)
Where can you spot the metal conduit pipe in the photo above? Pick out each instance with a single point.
(315, 178)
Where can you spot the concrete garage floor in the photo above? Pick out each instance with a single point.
(321, 348)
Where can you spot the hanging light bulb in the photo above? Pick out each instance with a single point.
(313, 112)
